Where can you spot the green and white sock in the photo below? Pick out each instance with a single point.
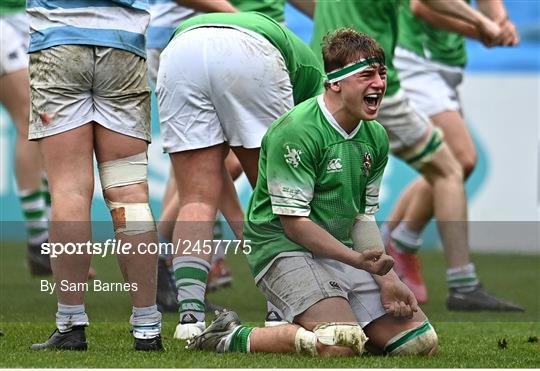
(405, 239)
(462, 278)
(237, 341)
(34, 209)
(191, 276)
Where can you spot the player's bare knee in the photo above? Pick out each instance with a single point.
(467, 162)
(452, 171)
(443, 167)
(78, 200)
(421, 340)
(126, 194)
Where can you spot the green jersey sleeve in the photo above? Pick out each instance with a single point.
(374, 181)
(291, 171)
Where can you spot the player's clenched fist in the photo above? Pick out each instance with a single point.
(375, 262)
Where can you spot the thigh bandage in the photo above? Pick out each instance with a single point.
(423, 153)
(123, 172)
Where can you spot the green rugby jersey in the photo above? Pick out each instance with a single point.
(305, 71)
(309, 166)
(275, 9)
(12, 6)
(429, 42)
(377, 18)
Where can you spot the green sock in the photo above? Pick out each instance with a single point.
(239, 341)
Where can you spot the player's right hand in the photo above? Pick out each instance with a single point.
(490, 32)
(375, 261)
(509, 33)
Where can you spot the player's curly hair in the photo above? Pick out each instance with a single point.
(345, 45)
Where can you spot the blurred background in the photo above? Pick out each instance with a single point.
(501, 98)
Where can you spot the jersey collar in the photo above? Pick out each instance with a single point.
(333, 122)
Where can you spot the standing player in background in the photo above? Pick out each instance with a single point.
(430, 62)
(317, 251)
(413, 138)
(90, 95)
(29, 171)
(165, 16)
(275, 9)
(223, 79)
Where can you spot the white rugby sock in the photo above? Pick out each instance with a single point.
(405, 239)
(462, 278)
(145, 322)
(68, 316)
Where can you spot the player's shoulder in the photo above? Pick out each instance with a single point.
(376, 133)
(300, 120)
(296, 128)
(375, 128)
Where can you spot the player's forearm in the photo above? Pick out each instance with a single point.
(366, 235)
(458, 9)
(305, 6)
(209, 6)
(442, 21)
(493, 9)
(388, 278)
(314, 238)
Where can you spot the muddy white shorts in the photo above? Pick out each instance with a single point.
(430, 86)
(220, 84)
(295, 283)
(72, 85)
(14, 36)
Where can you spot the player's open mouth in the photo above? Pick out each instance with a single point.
(372, 100)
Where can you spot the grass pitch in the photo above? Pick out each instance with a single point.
(466, 339)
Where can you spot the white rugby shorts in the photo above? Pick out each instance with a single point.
(430, 86)
(14, 37)
(220, 84)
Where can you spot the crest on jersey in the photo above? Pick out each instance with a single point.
(366, 164)
(292, 157)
